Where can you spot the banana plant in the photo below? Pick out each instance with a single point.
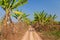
(20, 16)
(8, 6)
(17, 15)
(43, 18)
(25, 18)
(40, 17)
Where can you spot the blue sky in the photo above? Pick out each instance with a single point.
(49, 6)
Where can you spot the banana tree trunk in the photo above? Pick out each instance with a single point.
(6, 18)
(7, 24)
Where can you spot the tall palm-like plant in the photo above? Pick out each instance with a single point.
(40, 17)
(43, 18)
(21, 16)
(8, 5)
(18, 15)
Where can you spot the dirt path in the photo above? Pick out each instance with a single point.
(31, 35)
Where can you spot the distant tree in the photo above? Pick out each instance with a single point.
(42, 19)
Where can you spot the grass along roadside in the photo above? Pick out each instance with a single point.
(52, 35)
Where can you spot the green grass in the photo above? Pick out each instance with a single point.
(53, 34)
(56, 33)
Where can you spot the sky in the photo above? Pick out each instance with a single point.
(49, 6)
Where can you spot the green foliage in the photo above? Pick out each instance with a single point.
(11, 4)
(8, 5)
(19, 3)
(15, 15)
(43, 17)
(55, 33)
(23, 17)
(59, 23)
(44, 21)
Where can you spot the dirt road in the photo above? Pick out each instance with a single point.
(31, 35)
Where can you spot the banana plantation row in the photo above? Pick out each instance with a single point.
(42, 20)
